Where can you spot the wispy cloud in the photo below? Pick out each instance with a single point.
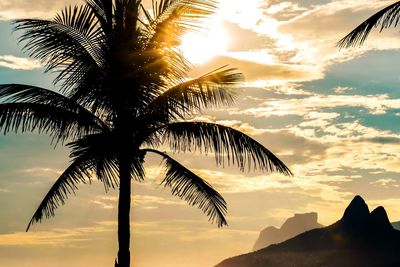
(53, 237)
(375, 104)
(15, 9)
(385, 182)
(342, 89)
(18, 63)
(41, 171)
(146, 200)
(3, 190)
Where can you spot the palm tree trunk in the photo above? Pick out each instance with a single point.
(124, 206)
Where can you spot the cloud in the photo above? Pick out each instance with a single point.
(102, 204)
(19, 63)
(385, 182)
(349, 149)
(375, 104)
(284, 10)
(241, 39)
(40, 171)
(383, 139)
(53, 237)
(16, 9)
(155, 200)
(319, 120)
(254, 71)
(342, 89)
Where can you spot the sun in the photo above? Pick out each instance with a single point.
(199, 47)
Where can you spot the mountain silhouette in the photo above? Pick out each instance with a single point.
(359, 239)
(293, 226)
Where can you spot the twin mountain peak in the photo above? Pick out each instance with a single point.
(357, 219)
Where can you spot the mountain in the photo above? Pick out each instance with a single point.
(293, 226)
(396, 225)
(359, 239)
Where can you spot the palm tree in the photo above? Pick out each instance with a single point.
(125, 92)
(387, 17)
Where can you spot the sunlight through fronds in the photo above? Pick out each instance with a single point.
(170, 21)
(210, 90)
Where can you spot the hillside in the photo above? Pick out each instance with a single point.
(360, 238)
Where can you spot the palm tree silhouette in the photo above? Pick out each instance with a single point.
(387, 17)
(125, 92)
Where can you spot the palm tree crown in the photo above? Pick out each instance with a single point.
(125, 92)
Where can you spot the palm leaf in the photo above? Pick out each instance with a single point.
(28, 108)
(190, 187)
(72, 43)
(211, 90)
(103, 10)
(385, 18)
(225, 142)
(100, 147)
(131, 18)
(184, 14)
(60, 123)
(32, 94)
(78, 172)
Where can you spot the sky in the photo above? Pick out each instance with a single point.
(331, 115)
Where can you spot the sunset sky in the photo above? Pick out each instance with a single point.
(333, 116)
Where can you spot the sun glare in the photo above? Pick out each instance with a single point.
(199, 47)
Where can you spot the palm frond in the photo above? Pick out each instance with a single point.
(131, 18)
(210, 90)
(225, 142)
(60, 123)
(161, 7)
(22, 93)
(103, 10)
(101, 148)
(180, 14)
(385, 18)
(190, 187)
(91, 91)
(119, 14)
(78, 172)
(24, 107)
(70, 44)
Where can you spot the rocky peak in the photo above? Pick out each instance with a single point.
(356, 214)
(380, 220)
(300, 221)
(293, 226)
